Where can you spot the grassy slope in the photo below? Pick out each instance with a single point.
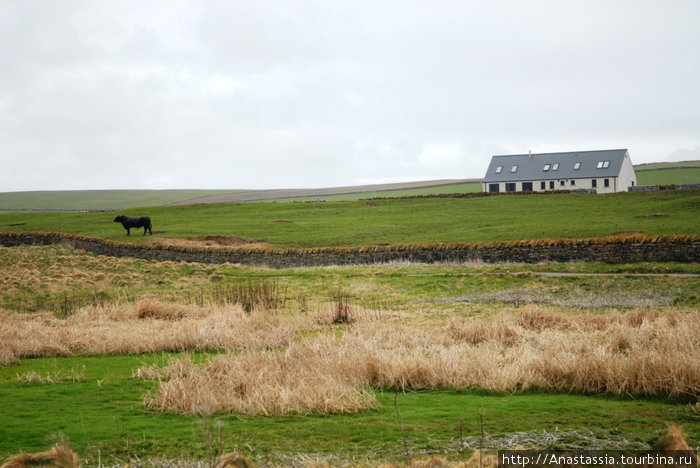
(669, 176)
(666, 165)
(56, 277)
(397, 221)
(451, 188)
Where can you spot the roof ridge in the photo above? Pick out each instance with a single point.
(559, 152)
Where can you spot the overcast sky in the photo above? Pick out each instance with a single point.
(284, 94)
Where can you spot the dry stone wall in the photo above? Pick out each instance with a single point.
(613, 249)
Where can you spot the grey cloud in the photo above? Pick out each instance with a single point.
(266, 94)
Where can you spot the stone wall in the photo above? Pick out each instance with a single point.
(613, 249)
(652, 188)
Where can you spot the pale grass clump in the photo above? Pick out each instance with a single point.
(55, 377)
(58, 457)
(150, 308)
(269, 383)
(331, 373)
(673, 440)
(477, 460)
(117, 329)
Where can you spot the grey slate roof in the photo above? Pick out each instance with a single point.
(532, 168)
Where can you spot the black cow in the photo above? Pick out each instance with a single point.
(129, 222)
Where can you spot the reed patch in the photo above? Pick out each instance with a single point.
(332, 373)
(146, 327)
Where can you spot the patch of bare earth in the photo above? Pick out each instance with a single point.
(209, 241)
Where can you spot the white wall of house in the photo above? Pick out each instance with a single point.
(627, 177)
(561, 184)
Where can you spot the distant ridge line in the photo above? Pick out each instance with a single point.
(261, 195)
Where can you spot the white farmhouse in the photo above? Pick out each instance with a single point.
(606, 171)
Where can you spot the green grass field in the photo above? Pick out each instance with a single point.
(90, 398)
(98, 407)
(396, 221)
(102, 417)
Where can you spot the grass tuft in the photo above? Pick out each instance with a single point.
(58, 457)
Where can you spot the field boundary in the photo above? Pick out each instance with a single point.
(683, 248)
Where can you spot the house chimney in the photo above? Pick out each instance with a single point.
(529, 154)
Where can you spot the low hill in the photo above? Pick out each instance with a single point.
(103, 200)
(667, 165)
(94, 200)
(667, 173)
(281, 194)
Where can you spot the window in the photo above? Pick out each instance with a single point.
(514, 168)
(499, 169)
(600, 165)
(606, 182)
(527, 186)
(546, 167)
(543, 185)
(561, 183)
(555, 167)
(594, 183)
(551, 185)
(510, 187)
(493, 188)
(606, 164)
(573, 182)
(577, 166)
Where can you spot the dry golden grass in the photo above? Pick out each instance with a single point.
(638, 353)
(267, 383)
(59, 268)
(152, 309)
(149, 326)
(233, 460)
(58, 457)
(673, 440)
